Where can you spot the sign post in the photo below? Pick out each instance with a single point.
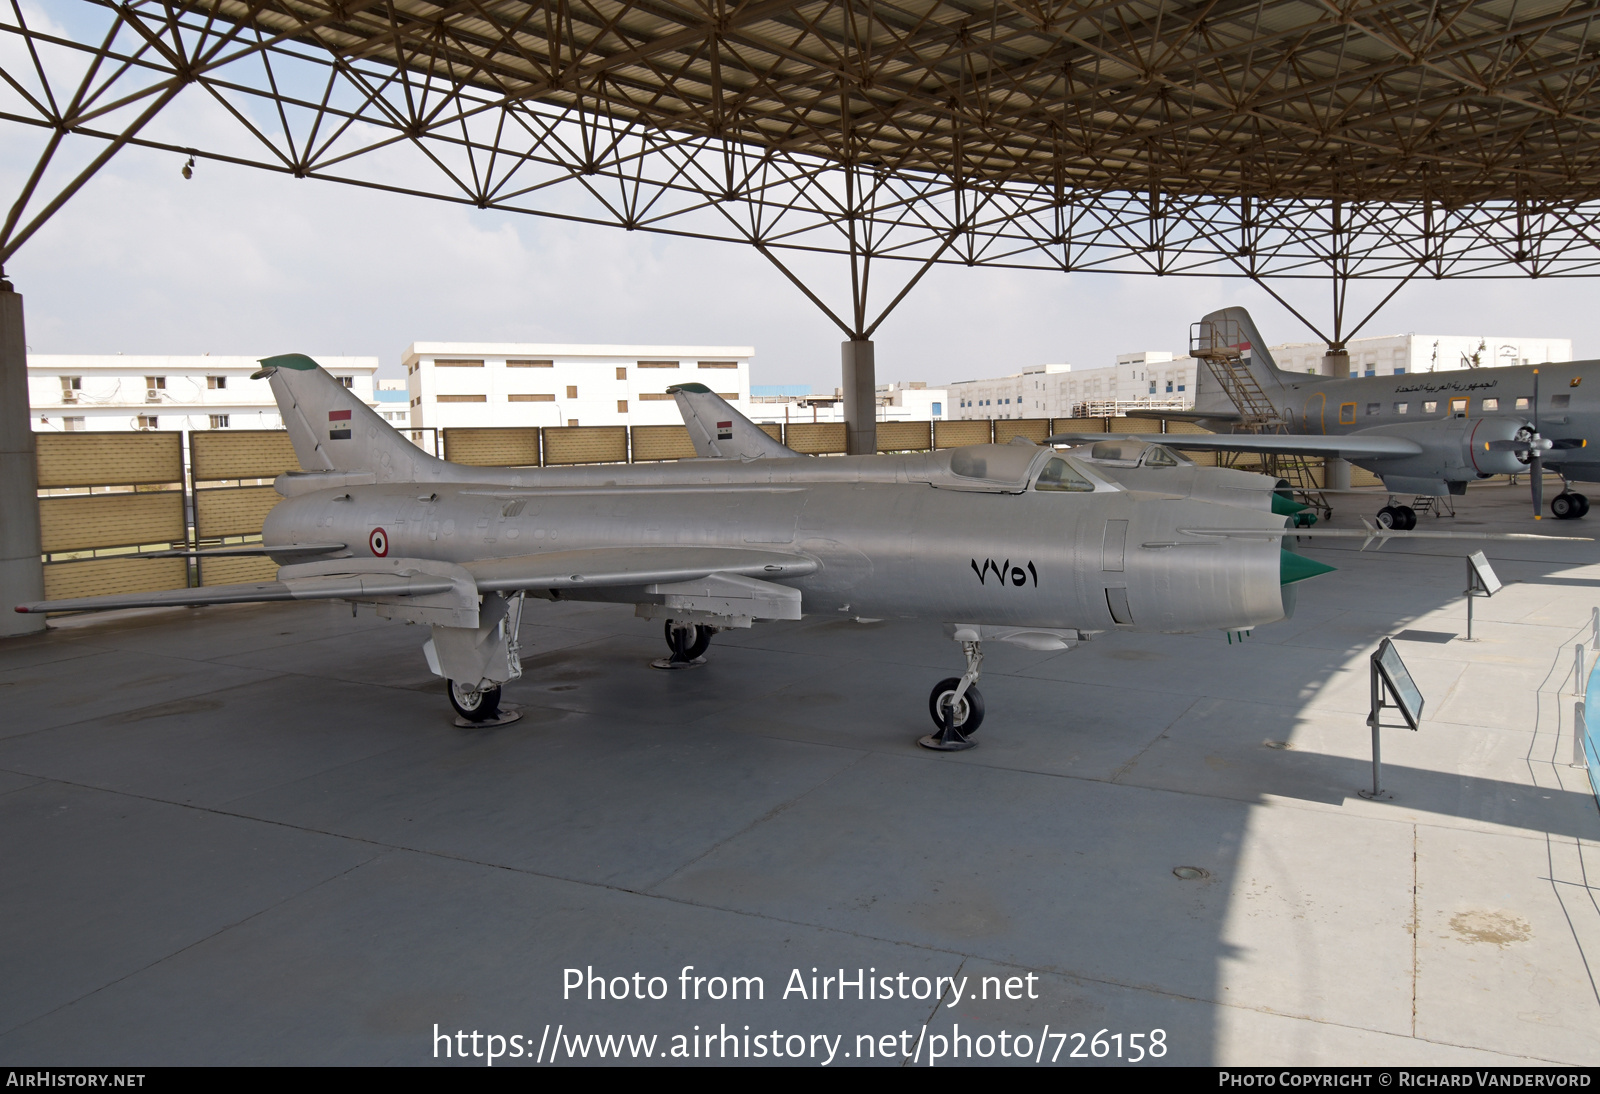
(1390, 681)
(1481, 581)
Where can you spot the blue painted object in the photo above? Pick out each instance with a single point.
(1591, 729)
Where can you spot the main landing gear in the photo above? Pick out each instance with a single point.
(1402, 518)
(1569, 506)
(688, 643)
(956, 706)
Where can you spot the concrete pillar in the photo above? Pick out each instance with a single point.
(21, 575)
(1336, 472)
(860, 398)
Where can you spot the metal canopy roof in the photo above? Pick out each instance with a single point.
(1332, 139)
(1363, 101)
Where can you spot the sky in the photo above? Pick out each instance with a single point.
(240, 261)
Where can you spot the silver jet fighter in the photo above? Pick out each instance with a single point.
(1012, 543)
(1424, 433)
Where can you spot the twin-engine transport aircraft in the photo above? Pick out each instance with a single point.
(1424, 433)
(1012, 543)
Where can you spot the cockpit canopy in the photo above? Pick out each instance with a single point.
(1125, 453)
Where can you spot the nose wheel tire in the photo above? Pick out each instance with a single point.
(473, 704)
(968, 712)
(687, 642)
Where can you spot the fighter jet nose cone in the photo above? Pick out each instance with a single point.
(1293, 567)
(1287, 507)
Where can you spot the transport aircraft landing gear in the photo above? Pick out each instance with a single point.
(472, 703)
(688, 643)
(956, 706)
(1402, 518)
(1569, 506)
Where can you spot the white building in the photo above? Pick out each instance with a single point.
(72, 392)
(1156, 380)
(902, 401)
(1393, 354)
(483, 384)
(1025, 394)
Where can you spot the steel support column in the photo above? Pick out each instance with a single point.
(1335, 472)
(21, 573)
(860, 397)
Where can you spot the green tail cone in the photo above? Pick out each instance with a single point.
(1287, 507)
(1293, 567)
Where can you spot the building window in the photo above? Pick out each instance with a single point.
(153, 387)
(70, 386)
(216, 383)
(622, 406)
(530, 398)
(219, 421)
(1370, 372)
(462, 398)
(658, 364)
(622, 373)
(1152, 387)
(346, 381)
(451, 363)
(1491, 404)
(719, 364)
(529, 364)
(74, 425)
(938, 409)
(148, 421)
(1399, 372)
(654, 396)
(572, 391)
(1169, 387)
(1180, 387)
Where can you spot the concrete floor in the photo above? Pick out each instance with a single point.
(252, 834)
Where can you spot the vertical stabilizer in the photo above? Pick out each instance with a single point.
(1232, 328)
(332, 430)
(720, 431)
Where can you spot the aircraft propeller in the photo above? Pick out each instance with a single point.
(1536, 455)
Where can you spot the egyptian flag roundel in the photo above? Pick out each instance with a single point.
(378, 541)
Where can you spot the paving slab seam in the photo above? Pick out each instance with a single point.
(1416, 927)
(1571, 926)
(191, 945)
(770, 814)
(1128, 764)
(908, 1061)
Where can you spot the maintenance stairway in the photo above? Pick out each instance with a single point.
(1221, 345)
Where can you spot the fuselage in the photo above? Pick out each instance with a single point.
(894, 536)
(1568, 404)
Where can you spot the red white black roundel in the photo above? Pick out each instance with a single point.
(378, 541)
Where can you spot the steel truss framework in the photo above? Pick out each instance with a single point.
(1330, 139)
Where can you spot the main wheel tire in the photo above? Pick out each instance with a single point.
(1562, 507)
(698, 640)
(1583, 505)
(1388, 517)
(969, 714)
(471, 704)
(1407, 518)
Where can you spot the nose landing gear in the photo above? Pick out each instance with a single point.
(688, 643)
(956, 706)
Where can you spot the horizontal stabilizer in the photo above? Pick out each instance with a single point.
(603, 567)
(1367, 447)
(334, 587)
(245, 550)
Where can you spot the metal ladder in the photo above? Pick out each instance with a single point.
(1218, 345)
